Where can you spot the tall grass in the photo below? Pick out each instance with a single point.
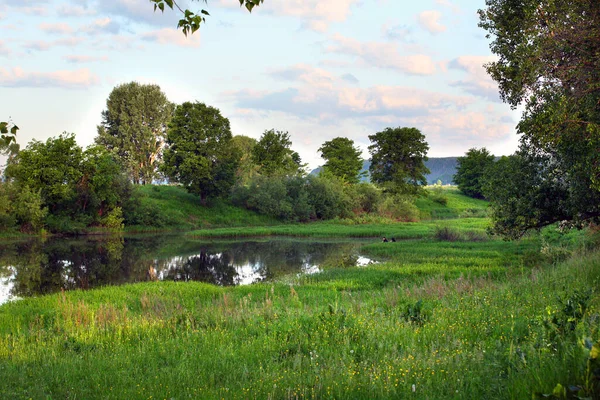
(438, 320)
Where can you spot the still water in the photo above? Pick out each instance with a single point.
(29, 268)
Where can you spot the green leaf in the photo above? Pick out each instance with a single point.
(14, 129)
(169, 3)
(249, 6)
(559, 391)
(595, 352)
(204, 12)
(161, 6)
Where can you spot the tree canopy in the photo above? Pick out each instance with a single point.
(199, 151)
(397, 160)
(470, 171)
(342, 159)
(274, 156)
(133, 128)
(548, 63)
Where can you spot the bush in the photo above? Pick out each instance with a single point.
(364, 197)
(328, 198)
(438, 195)
(114, 219)
(447, 234)
(400, 208)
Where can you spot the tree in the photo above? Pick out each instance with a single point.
(133, 128)
(397, 163)
(539, 186)
(200, 154)
(190, 21)
(470, 171)
(74, 185)
(274, 156)
(548, 63)
(343, 160)
(53, 168)
(246, 169)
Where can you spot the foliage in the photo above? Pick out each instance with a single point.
(246, 168)
(199, 153)
(438, 195)
(399, 207)
(547, 63)
(53, 168)
(133, 128)
(75, 187)
(539, 186)
(190, 21)
(273, 154)
(342, 159)
(470, 171)
(397, 162)
(365, 197)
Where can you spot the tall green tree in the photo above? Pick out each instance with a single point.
(274, 156)
(470, 171)
(199, 152)
(133, 128)
(342, 159)
(398, 158)
(548, 64)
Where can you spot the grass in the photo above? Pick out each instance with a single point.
(438, 319)
(173, 208)
(458, 205)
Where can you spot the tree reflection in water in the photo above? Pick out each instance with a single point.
(40, 267)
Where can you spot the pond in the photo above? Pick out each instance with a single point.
(29, 268)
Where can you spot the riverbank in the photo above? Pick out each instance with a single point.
(439, 319)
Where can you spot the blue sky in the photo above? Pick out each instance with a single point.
(318, 69)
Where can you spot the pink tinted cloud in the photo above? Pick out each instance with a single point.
(75, 79)
(171, 36)
(58, 28)
(477, 81)
(383, 55)
(45, 45)
(430, 21)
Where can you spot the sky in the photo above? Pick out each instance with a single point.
(318, 69)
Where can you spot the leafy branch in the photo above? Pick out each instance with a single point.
(190, 22)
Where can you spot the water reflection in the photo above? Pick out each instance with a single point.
(37, 267)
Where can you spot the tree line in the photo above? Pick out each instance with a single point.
(143, 137)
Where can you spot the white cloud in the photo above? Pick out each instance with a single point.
(171, 36)
(102, 25)
(77, 79)
(69, 10)
(477, 82)
(430, 21)
(383, 55)
(79, 59)
(45, 45)
(316, 14)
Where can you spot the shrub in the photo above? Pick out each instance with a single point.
(364, 197)
(114, 219)
(447, 234)
(438, 195)
(400, 208)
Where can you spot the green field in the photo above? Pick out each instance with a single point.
(449, 314)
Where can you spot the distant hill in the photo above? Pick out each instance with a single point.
(442, 168)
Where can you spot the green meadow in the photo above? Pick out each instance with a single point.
(449, 313)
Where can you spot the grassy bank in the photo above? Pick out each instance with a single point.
(166, 208)
(439, 319)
